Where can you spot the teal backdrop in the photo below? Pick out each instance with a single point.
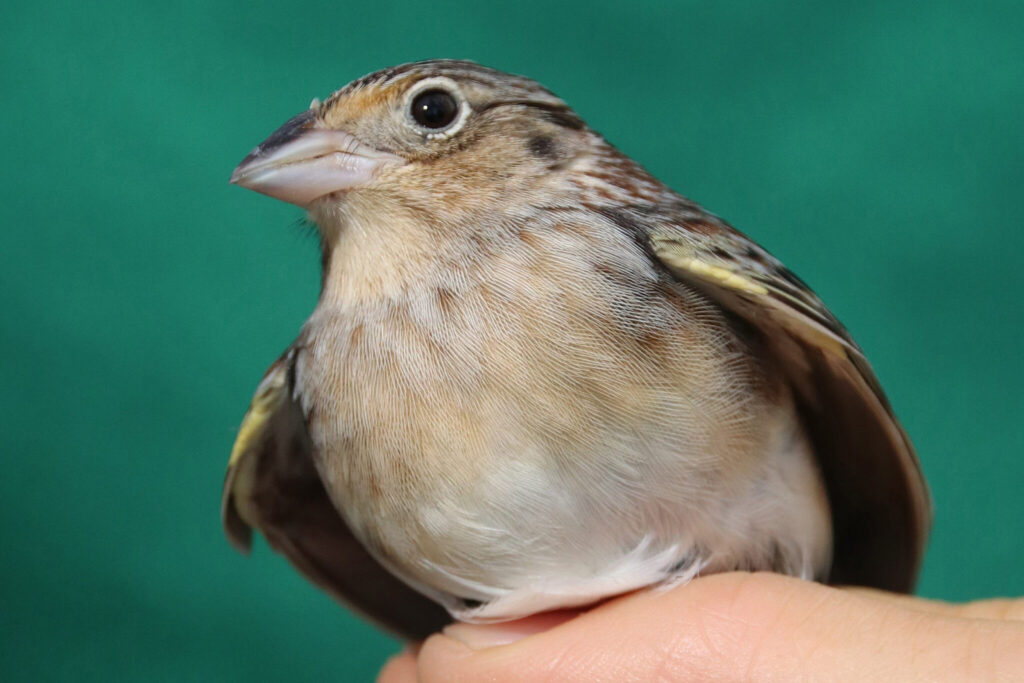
(876, 147)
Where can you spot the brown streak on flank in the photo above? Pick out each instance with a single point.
(486, 294)
(479, 244)
(375, 489)
(528, 238)
(651, 343)
(445, 300)
(573, 228)
(577, 229)
(615, 275)
(667, 290)
(356, 336)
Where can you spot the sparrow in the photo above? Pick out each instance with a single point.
(537, 377)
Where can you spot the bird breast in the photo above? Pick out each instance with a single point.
(543, 405)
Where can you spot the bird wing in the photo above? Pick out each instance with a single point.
(880, 504)
(273, 486)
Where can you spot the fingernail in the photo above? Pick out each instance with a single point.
(480, 636)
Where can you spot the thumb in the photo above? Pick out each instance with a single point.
(726, 627)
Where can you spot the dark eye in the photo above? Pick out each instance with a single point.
(434, 109)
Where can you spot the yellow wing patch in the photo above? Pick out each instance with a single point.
(237, 511)
(676, 255)
(270, 393)
(682, 257)
(722, 276)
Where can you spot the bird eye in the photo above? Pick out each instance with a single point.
(434, 109)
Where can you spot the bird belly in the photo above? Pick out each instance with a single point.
(513, 456)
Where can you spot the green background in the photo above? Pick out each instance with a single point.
(876, 147)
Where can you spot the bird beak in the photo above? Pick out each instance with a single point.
(301, 162)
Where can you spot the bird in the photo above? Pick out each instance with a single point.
(536, 377)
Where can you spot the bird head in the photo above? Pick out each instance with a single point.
(422, 136)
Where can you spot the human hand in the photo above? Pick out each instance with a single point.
(735, 626)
